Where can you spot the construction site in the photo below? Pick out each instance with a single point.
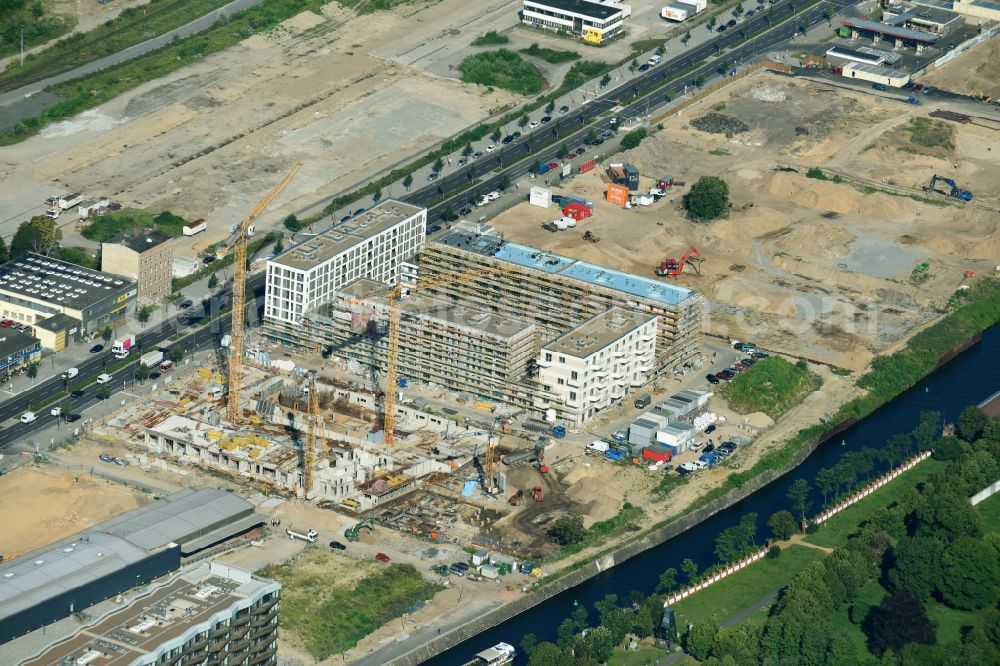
(835, 264)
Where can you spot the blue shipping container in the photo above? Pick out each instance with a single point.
(614, 454)
(559, 431)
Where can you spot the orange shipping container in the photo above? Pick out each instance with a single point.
(618, 194)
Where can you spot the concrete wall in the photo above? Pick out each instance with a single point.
(985, 493)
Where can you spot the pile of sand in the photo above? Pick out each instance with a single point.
(827, 240)
(827, 196)
(601, 500)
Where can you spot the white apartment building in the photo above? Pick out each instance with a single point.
(596, 21)
(374, 245)
(597, 363)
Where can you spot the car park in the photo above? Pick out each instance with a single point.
(106, 458)
(336, 545)
(96, 348)
(712, 379)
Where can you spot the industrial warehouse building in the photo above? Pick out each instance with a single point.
(35, 288)
(134, 549)
(146, 256)
(375, 245)
(596, 21)
(214, 613)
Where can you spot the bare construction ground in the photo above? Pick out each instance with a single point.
(42, 505)
(209, 140)
(972, 73)
(820, 269)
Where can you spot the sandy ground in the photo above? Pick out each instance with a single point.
(42, 505)
(974, 72)
(814, 268)
(209, 140)
(88, 15)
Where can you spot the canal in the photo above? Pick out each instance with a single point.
(968, 379)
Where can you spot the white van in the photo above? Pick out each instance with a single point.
(28, 417)
(104, 378)
(71, 373)
(654, 59)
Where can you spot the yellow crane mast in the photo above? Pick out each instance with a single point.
(314, 428)
(394, 296)
(233, 412)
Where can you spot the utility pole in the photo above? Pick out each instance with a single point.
(22, 46)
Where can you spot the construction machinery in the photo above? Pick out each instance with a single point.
(537, 493)
(591, 237)
(955, 192)
(674, 267)
(395, 295)
(233, 412)
(353, 533)
(516, 498)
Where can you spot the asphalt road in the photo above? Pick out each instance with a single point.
(646, 91)
(194, 26)
(197, 338)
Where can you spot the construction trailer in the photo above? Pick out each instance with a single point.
(540, 196)
(624, 174)
(681, 11)
(617, 194)
(874, 74)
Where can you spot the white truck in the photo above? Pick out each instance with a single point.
(304, 535)
(151, 359)
(195, 227)
(70, 373)
(28, 417)
(104, 378)
(68, 201)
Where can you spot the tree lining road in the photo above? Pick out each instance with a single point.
(186, 30)
(196, 338)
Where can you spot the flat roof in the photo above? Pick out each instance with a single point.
(549, 262)
(441, 310)
(13, 341)
(875, 69)
(891, 30)
(340, 237)
(140, 240)
(57, 322)
(60, 283)
(590, 9)
(934, 15)
(69, 563)
(861, 56)
(147, 622)
(598, 332)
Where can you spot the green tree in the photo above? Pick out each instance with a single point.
(33, 235)
(407, 181)
(972, 422)
(377, 194)
(279, 246)
(949, 448)
(690, 569)
(782, 524)
(711, 22)
(465, 152)
(547, 654)
(826, 480)
(633, 139)
(177, 355)
(798, 495)
(32, 370)
(568, 530)
(605, 80)
(599, 643)
(927, 430)
(701, 638)
(438, 164)
(550, 107)
(107, 334)
(661, 49)
(741, 644)
(634, 65)
(728, 544)
(915, 565)
(739, 10)
(142, 373)
(847, 570)
(668, 580)
(947, 517)
(708, 199)
(565, 633)
(213, 281)
(4, 254)
(969, 574)
(528, 644)
(103, 393)
(647, 620)
(686, 38)
(619, 623)
(144, 313)
(899, 619)
(523, 121)
(292, 223)
(496, 135)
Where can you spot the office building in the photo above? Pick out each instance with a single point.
(596, 364)
(375, 245)
(214, 613)
(34, 288)
(596, 21)
(146, 256)
(17, 350)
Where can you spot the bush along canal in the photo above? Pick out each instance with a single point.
(962, 372)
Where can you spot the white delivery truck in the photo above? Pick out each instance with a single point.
(304, 535)
(103, 378)
(151, 359)
(71, 373)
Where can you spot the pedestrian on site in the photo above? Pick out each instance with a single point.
(76, 479)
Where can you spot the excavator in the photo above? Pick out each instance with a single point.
(956, 192)
(673, 267)
(353, 533)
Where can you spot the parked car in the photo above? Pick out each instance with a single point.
(456, 571)
(644, 67)
(121, 462)
(432, 176)
(96, 349)
(731, 24)
(70, 418)
(336, 545)
(207, 259)
(106, 458)
(667, 468)
(461, 565)
(709, 448)
(546, 119)
(564, 109)
(748, 362)
(476, 155)
(750, 13)
(741, 366)
(462, 161)
(721, 28)
(696, 446)
(381, 557)
(726, 374)
(533, 124)
(434, 229)
(712, 379)
(490, 148)
(758, 355)
(185, 304)
(710, 429)
(507, 139)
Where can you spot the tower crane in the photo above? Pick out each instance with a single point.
(233, 412)
(315, 425)
(394, 295)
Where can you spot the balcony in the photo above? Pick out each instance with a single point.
(261, 621)
(264, 656)
(240, 621)
(218, 645)
(221, 631)
(239, 646)
(264, 606)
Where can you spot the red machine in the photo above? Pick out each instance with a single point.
(537, 493)
(673, 267)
